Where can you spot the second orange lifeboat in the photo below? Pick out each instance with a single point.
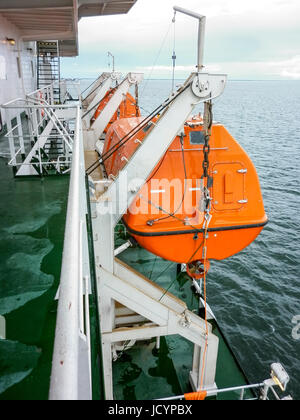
(167, 217)
(128, 108)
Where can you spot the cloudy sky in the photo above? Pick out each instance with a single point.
(247, 39)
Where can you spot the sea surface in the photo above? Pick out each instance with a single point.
(255, 295)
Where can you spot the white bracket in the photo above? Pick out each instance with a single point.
(96, 97)
(111, 107)
(201, 32)
(145, 300)
(198, 88)
(94, 89)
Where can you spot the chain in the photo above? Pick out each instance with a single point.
(207, 122)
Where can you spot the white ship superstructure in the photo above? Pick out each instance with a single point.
(25, 22)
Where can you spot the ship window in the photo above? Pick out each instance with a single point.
(197, 137)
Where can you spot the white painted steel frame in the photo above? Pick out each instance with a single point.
(166, 315)
(101, 122)
(201, 33)
(71, 367)
(39, 107)
(97, 91)
(197, 89)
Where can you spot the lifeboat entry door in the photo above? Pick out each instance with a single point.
(229, 186)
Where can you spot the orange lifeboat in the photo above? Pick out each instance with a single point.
(128, 108)
(167, 217)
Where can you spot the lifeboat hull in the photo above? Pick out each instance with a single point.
(188, 247)
(167, 217)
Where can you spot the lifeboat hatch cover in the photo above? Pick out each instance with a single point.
(229, 186)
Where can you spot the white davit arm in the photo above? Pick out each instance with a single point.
(201, 33)
(199, 87)
(90, 99)
(106, 115)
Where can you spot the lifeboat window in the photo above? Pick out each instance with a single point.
(197, 137)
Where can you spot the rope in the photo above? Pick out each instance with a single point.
(176, 278)
(109, 92)
(170, 214)
(208, 121)
(205, 305)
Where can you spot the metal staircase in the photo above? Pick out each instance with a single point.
(51, 149)
(48, 67)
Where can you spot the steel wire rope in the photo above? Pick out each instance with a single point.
(94, 81)
(116, 146)
(136, 129)
(176, 278)
(133, 132)
(156, 59)
(205, 306)
(111, 91)
(170, 214)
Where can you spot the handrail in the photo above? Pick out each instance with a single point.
(14, 157)
(36, 95)
(65, 384)
(263, 387)
(40, 89)
(45, 163)
(214, 392)
(44, 106)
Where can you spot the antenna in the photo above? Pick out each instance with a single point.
(113, 60)
(201, 33)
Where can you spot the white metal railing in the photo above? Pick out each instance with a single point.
(214, 392)
(40, 110)
(69, 90)
(45, 93)
(279, 378)
(71, 368)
